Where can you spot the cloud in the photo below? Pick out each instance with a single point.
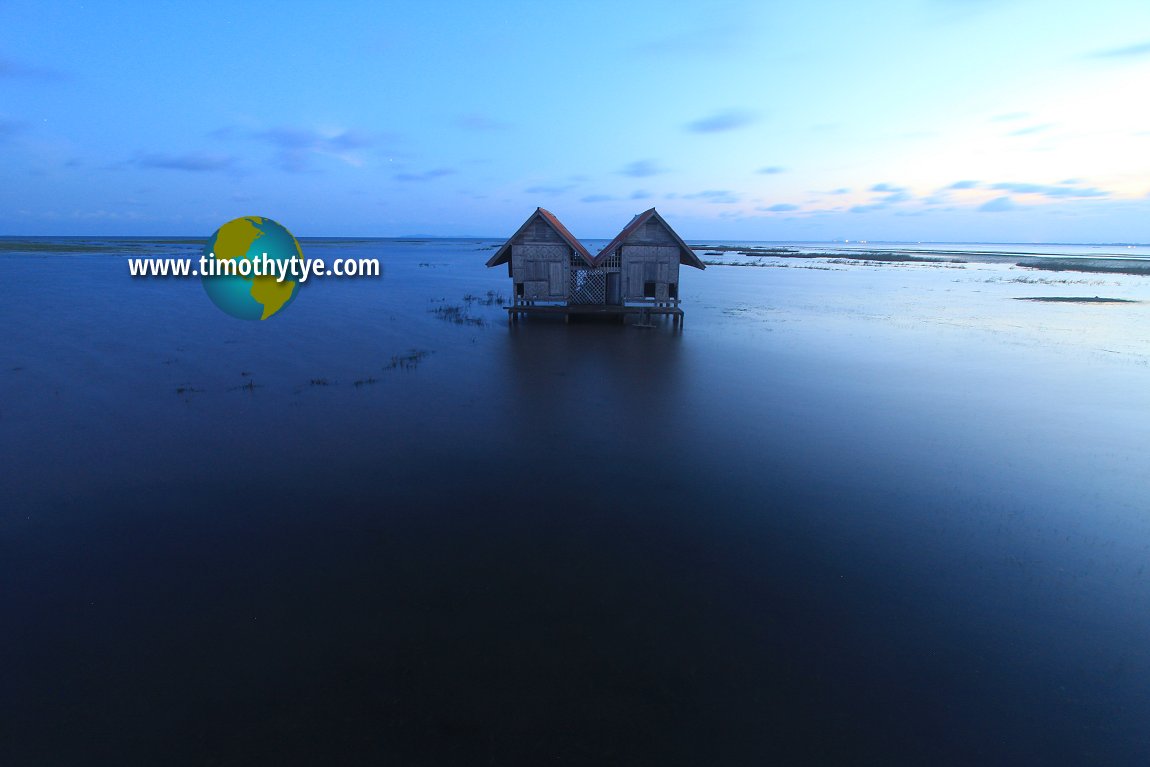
(1057, 192)
(426, 175)
(730, 119)
(597, 198)
(552, 190)
(841, 190)
(642, 169)
(771, 170)
(17, 69)
(640, 194)
(9, 128)
(196, 162)
(997, 205)
(782, 207)
(1128, 51)
(297, 148)
(967, 184)
(475, 121)
(1031, 129)
(1009, 117)
(304, 138)
(891, 195)
(718, 196)
(725, 37)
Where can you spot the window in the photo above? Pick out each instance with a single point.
(648, 290)
(673, 290)
(519, 289)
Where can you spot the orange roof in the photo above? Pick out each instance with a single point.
(503, 255)
(686, 255)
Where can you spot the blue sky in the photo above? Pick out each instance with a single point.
(945, 120)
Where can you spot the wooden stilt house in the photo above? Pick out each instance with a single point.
(647, 255)
(540, 258)
(636, 273)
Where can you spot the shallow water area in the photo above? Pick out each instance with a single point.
(854, 512)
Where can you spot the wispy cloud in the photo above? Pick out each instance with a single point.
(642, 169)
(1126, 51)
(782, 207)
(719, 196)
(730, 119)
(9, 128)
(640, 194)
(888, 195)
(1031, 129)
(426, 175)
(723, 36)
(891, 194)
(476, 121)
(195, 162)
(965, 184)
(1056, 192)
(771, 170)
(597, 198)
(17, 69)
(997, 205)
(550, 189)
(296, 148)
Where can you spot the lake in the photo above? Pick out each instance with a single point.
(855, 512)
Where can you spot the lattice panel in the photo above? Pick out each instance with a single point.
(587, 286)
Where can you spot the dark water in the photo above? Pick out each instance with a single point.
(790, 534)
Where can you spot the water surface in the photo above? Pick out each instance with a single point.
(864, 514)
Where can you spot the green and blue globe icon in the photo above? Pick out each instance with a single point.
(257, 240)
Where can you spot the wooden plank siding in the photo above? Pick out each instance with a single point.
(548, 265)
(541, 268)
(649, 263)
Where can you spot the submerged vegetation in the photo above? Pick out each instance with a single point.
(407, 361)
(1077, 300)
(1074, 265)
(460, 314)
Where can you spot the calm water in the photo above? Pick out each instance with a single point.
(879, 515)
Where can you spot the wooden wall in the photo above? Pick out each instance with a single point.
(540, 263)
(650, 255)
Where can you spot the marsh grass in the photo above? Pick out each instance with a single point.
(490, 299)
(407, 361)
(1044, 281)
(1076, 300)
(714, 250)
(764, 265)
(457, 315)
(1055, 265)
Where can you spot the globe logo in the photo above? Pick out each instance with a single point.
(250, 271)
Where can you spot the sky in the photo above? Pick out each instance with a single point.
(910, 120)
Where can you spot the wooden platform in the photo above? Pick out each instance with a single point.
(644, 313)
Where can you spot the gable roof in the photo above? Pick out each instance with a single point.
(686, 255)
(503, 255)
